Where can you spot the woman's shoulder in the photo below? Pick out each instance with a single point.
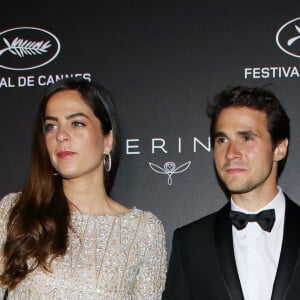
(151, 235)
(7, 202)
(151, 221)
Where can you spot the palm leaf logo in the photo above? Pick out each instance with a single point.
(21, 47)
(295, 38)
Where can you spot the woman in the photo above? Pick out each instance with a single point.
(63, 237)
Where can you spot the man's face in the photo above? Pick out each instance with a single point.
(244, 157)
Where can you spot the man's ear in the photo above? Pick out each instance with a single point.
(281, 149)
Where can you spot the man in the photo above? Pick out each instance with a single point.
(228, 255)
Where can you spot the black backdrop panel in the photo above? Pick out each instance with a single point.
(163, 62)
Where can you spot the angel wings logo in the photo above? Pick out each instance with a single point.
(169, 169)
(26, 48)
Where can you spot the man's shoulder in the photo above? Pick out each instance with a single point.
(292, 210)
(204, 224)
(290, 202)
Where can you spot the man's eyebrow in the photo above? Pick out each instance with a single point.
(239, 132)
(246, 132)
(220, 133)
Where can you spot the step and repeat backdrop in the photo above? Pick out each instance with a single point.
(163, 62)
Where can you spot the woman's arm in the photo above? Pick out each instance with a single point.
(152, 274)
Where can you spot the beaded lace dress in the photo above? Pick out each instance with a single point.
(109, 257)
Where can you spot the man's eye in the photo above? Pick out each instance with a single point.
(220, 140)
(248, 137)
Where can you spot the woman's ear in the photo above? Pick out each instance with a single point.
(108, 142)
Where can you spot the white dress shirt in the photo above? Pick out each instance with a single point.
(257, 251)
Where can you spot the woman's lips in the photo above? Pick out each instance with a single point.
(65, 154)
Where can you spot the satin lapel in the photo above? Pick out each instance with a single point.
(224, 246)
(289, 251)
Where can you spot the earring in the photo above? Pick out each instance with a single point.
(107, 162)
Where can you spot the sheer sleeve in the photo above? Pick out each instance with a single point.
(152, 274)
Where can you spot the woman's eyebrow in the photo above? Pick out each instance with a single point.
(71, 116)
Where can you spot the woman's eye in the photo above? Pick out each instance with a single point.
(49, 127)
(78, 124)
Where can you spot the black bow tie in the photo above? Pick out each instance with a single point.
(265, 219)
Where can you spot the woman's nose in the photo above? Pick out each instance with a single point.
(62, 135)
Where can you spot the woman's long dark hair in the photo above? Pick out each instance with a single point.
(37, 229)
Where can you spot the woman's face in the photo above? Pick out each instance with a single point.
(73, 136)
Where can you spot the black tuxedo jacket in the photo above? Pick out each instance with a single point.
(202, 264)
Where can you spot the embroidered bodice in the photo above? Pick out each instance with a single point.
(108, 257)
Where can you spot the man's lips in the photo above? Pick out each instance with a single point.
(65, 154)
(234, 170)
